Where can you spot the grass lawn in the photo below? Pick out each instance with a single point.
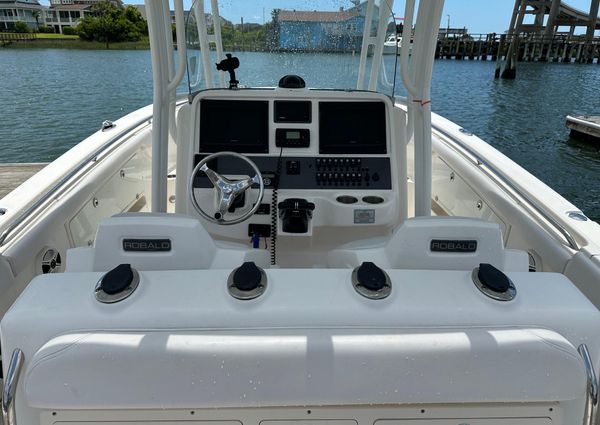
(56, 36)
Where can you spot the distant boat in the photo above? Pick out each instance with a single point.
(584, 126)
(392, 45)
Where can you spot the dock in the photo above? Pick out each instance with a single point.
(531, 48)
(12, 175)
(584, 127)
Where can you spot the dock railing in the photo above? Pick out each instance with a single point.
(561, 47)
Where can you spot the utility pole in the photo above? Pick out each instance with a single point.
(242, 31)
(448, 27)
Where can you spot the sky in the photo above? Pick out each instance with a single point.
(479, 16)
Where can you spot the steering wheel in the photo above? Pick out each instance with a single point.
(227, 190)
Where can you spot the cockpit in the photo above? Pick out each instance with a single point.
(285, 166)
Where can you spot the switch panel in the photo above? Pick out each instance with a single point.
(339, 173)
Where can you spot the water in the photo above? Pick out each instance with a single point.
(52, 99)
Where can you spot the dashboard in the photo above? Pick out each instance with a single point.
(332, 150)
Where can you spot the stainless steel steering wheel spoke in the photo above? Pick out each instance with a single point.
(215, 178)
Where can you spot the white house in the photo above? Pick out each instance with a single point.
(67, 13)
(29, 11)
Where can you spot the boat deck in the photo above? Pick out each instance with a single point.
(12, 175)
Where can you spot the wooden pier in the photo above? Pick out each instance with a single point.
(530, 48)
(12, 175)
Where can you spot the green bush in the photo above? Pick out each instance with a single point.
(46, 29)
(108, 23)
(21, 27)
(69, 31)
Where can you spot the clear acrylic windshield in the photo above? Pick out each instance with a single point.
(320, 41)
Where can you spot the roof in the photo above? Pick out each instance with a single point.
(70, 6)
(315, 16)
(21, 4)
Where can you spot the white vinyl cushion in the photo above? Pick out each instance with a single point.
(192, 247)
(409, 247)
(179, 369)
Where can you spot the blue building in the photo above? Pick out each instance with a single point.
(339, 31)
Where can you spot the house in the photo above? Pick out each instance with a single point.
(67, 13)
(29, 11)
(339, 31)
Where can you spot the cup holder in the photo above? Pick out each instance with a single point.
(373, 199)
(346, 199)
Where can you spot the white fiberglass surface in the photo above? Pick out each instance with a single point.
(288, 37)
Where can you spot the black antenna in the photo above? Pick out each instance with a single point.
(230, 65)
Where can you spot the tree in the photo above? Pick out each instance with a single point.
(135, 17)
(108, 23)
(36, 15)
(21, 27)
(273, 29)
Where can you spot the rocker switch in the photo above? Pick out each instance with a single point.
(292, 167)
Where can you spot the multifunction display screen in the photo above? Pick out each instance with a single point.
(352, 128)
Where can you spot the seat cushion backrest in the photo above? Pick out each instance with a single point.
(150, 241)
(446, 243)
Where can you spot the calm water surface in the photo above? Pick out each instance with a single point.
(52, 99)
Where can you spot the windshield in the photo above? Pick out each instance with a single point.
(321, 41)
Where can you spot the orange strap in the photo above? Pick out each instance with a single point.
(422, 102)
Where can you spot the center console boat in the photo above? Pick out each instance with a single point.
(296, 256)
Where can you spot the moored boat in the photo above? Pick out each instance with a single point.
(393, 45)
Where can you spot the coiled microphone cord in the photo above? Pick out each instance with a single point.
(275, 211)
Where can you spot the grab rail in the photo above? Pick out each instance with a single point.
(10, 387)
(591, 400)
(181, 48)
(498, 174)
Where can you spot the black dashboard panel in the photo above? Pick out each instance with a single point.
(352, 128)
(292, 111)
(234, 125)
(357, 173)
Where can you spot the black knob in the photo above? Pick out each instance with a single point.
(375, 177)
(370, 276)
(247, 277)
(117, 280)
(492, 278)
